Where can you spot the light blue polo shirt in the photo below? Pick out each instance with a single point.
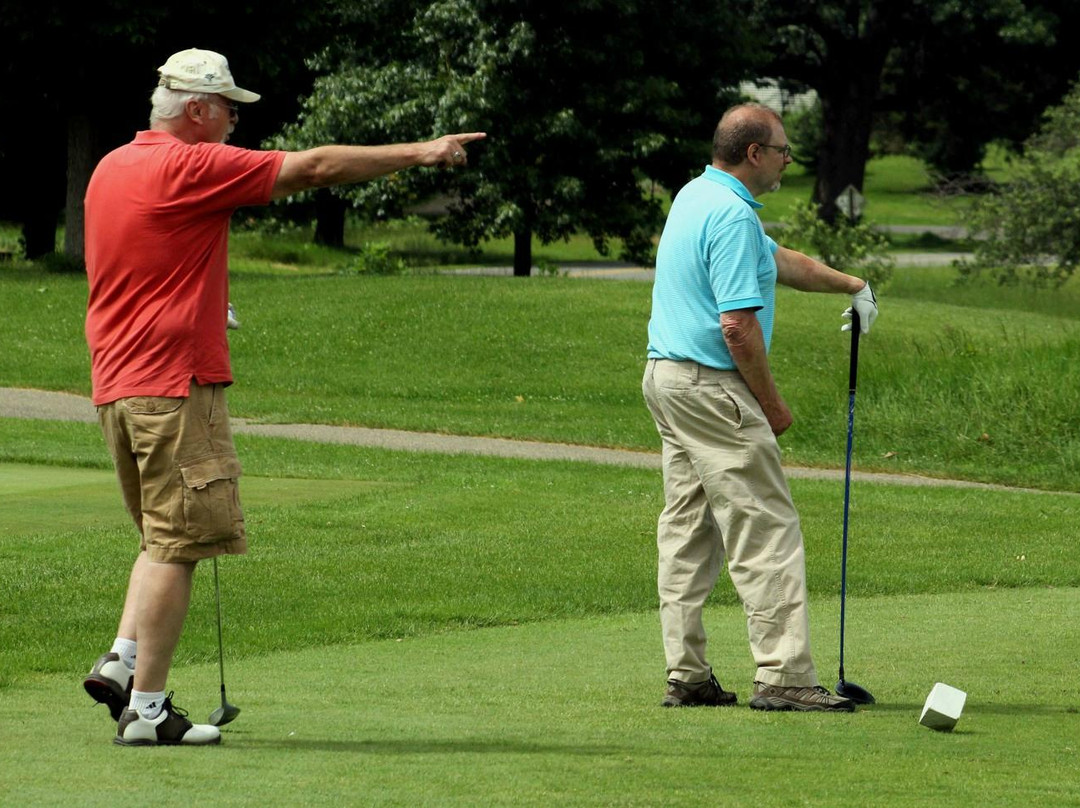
(713, 257)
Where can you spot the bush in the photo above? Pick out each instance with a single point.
(375, 258)
(1031, 227)
(853, 247)
(61, 263)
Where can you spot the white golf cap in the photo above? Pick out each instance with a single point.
(202, 71)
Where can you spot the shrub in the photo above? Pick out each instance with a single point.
(806, 131)
(61, 263)
(853, 247)
(375, 258)
(1031, 228)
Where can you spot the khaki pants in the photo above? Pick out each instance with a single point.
(178, 472)
(726, 498)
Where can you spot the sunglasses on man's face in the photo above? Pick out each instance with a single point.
(233, 109)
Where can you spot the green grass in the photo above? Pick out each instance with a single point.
(943, 377)
(564, 713)
(428, 542)
(897, 189)
(417, 629)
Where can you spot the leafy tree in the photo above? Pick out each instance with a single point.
(80, 76)
(960, 72)
(838, 48)
(993, 67)
(583, 102)
(1032, 227)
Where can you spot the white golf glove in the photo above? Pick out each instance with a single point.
(865, 304)
(231, 322)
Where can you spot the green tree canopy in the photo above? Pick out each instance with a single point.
(993, 67)
(582, 102)
(958, 73)
(80, 76)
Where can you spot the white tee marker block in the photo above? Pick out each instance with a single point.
(943, 707)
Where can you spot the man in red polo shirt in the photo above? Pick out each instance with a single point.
(157, 225)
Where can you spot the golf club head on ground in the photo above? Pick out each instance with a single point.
(224, 714)
(850, 690)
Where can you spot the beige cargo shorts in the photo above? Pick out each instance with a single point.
(178, 472)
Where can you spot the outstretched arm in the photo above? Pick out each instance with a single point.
(324, 166)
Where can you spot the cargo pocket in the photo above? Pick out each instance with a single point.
(212, 499)
(152, 405)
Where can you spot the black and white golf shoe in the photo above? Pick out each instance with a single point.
(170, 728)
(109, 683)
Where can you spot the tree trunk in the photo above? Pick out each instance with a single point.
(848, 118)
(41, 186)
(82, 156)
(523, 253)
(329, 218)
(39, 223)
(848, 90)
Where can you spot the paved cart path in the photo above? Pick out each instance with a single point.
(49, 405)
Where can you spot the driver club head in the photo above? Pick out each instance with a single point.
(224, 714)
(852, 691)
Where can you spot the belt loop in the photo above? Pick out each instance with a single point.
(695, 372)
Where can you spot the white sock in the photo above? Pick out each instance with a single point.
(126, 649)
(149, 705)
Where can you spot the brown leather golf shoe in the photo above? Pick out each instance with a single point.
(801, 699)
(697, 694)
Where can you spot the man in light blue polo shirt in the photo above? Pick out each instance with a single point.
(710, 391)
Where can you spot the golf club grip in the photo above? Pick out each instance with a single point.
(853, 371)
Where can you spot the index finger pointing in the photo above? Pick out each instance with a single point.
(469, 137)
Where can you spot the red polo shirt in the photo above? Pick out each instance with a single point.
(157, 237)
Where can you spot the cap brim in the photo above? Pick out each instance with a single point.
(242, 96)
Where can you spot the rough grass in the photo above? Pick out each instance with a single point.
(969, 382)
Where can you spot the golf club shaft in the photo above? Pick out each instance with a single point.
(852, 378)
(221, 647)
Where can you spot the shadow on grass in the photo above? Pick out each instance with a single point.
(496, 746)
(1018, 709)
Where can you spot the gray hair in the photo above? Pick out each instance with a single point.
(741, 126)
(166, 104)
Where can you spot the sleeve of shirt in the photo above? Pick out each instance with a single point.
(733, 258)
(226, 177)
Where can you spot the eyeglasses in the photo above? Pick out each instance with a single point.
(233, 109)
(785, 150)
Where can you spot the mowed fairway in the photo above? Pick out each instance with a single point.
(428, 630)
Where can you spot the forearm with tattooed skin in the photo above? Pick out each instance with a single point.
(746, 344)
